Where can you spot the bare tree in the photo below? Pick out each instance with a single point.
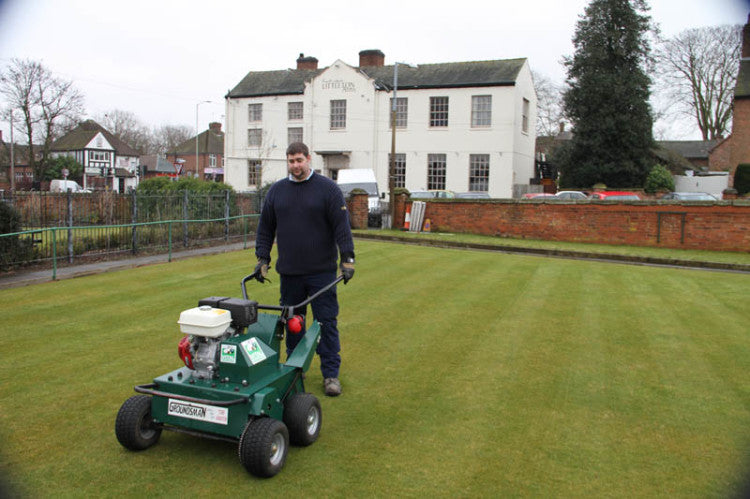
(128, 128)
(696, 74)
(549, 105)
(49, 106)
(167, 137)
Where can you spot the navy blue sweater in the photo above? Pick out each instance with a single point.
(309, 220)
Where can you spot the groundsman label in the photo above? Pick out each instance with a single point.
(200, 412)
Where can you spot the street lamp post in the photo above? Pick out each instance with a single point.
(392, 164)
(196, 132)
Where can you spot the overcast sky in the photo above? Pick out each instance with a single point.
(159, 58)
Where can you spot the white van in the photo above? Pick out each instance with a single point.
(65, 186)
(362, 178)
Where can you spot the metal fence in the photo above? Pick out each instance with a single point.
(69, 229)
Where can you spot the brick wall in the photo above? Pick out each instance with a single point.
(723, 226)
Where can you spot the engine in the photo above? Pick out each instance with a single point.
(205, 328)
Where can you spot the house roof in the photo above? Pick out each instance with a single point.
(78, 138)
(742, 86)
(209, 142)
(444, 75)
(690, 149)
(155, 163)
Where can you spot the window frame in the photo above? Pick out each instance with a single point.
(252, 132)
(479, 172)
(337, 114)
(254, 172)
(255, 112)
(439, 111)
(481, 111)
(436, 171)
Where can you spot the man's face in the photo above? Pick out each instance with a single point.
(298, 166)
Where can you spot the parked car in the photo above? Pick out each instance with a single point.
(615, 196)
(473, 195)
(433, 194)
(571, 195)
(65, 186)
(689, 196)
(537, 195)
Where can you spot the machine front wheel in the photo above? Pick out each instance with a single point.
(303, 417)
(264, 446)
(134, 426)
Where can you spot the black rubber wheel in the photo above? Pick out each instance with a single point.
(303, 417)
(264, 446)
(134, 426)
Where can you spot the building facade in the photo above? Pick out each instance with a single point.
(209, 163)
(108, 163)
(465, 126)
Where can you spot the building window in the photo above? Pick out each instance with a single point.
(212, 160)
(338, 114)
(479, 172)
(402, 107)
(481, 110)
(254, 137)
(436, 171)
(294, 111)
(438, 111)
(399, 174)
(525, 116)
(294, 134)
(254, 112)
(253, 172)
(98, 156)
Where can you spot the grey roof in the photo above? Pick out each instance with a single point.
(691, 149)
(155, 163)
(78, 138)
(443, 75)
(209, 142)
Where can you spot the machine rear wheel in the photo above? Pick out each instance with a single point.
(134, 426)
(303, 417)
(264, 446)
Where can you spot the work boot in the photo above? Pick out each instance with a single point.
(332, 387)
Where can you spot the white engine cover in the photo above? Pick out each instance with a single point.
(205, 321)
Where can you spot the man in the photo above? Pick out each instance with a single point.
(306, 212)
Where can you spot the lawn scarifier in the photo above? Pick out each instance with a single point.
(234, 386)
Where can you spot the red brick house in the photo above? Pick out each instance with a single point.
(735, 149)
(210, 159)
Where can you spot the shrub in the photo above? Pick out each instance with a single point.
(742, 179)
(13, 249)
(659, 179)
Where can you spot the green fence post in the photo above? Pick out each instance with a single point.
(244, 229)
(70, 227)
(54, 254)
(170, 241)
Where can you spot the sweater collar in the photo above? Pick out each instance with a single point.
(292, 179)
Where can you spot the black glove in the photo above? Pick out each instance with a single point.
(261, 270)
(347, 268)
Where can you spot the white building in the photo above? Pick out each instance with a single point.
(466, 126)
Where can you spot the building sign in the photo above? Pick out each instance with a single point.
(344, 86)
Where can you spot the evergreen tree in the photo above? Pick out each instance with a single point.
(607, 97)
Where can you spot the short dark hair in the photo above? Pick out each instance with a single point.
(297, 148)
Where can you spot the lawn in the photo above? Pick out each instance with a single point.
(465, 374)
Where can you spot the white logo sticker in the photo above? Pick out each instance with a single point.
(254, 351)
(192, 410)
(229, 354)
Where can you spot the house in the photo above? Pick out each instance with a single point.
(696, 152)
(24, 176)
(108, 162)
(463, 126)
(735, 149)
(155, 166)
(210, 159)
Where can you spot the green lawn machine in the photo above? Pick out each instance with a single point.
(233, 385)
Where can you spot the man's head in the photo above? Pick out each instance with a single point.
(298, 160)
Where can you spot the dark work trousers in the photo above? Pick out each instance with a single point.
(325, 308)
